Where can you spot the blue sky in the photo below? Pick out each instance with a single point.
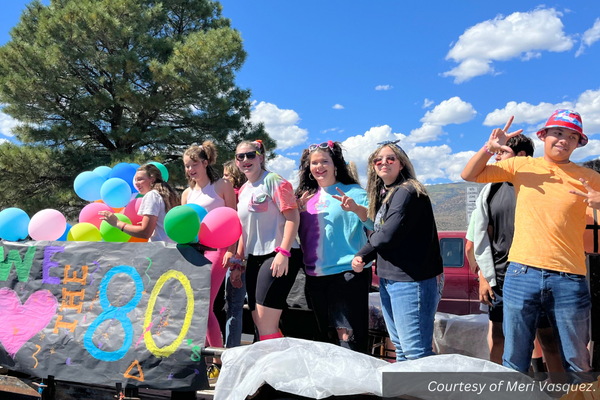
(439, 75)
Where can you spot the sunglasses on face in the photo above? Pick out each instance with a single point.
(251, 155)
(324, 145)
(385, 159)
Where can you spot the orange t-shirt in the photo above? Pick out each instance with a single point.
(549, 221)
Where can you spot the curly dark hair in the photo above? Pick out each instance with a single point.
(342, 173)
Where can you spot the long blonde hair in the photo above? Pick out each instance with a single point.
(207, 151)
(236, 176)
(167, 193)
(375, 185)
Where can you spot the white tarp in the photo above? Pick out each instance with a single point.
(319, 370)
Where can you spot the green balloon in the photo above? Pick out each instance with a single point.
(182, 224)
(163, 170)
(111, 234)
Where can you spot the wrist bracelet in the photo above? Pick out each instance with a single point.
(487, 150)
(123, 227)
(283, 251)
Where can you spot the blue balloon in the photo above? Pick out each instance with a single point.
(103, 171)
(87, 185)
(63, 238)
(126, 172)
(134, 165)
(14, 224)
(115, 193)
(201, 211)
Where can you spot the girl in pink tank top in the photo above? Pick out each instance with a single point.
(209, 191)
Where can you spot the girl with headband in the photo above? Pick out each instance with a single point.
(406, 245)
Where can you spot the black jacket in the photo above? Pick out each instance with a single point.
(407, 238)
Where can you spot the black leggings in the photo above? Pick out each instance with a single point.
(265, 289)
(342, 301)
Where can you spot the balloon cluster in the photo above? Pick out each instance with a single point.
(112, 189)
(218, 228)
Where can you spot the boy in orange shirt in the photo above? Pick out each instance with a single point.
(547, 260)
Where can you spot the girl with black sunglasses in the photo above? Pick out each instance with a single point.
(269, 215)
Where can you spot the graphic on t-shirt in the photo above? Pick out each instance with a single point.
(322, 205)
(258, 203)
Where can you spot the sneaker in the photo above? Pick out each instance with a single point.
(213, 372)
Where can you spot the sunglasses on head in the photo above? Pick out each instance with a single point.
(325, 145)
(385, 159)
(251, 155)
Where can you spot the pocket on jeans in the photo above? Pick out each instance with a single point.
(574, 277)
(516, 269)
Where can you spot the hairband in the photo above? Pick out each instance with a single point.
(394, 142)
(258, 143)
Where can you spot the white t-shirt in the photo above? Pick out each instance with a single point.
(153, 204)
(260, 208)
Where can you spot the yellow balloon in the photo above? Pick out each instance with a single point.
(84, 232)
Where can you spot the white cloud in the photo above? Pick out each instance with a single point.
(7, 123)
(427, 103)
(286, 167)
(592, 149)
(384, 87)
(589, 37)
(521, 34)
(2, 141)
(336, 129)
(282, 125)
(588, 105)
(426, 133)
(451, 111)
(338, 107)
(430, 162)
(292, 154)
(523, 113)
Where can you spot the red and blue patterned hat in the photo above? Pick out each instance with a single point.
(566, 119)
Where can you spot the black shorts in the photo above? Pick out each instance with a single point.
(263, 288)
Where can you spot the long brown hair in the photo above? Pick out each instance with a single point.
(207, 151)
(375, 185)
(167, 193)
(306, 183)
(237, 178)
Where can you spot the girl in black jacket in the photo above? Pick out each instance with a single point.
(406, 245)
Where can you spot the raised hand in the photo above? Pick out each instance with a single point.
(592, 197)
(303, 200)
(348, 203)
(498, 138)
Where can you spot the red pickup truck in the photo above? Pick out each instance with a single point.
(461, 287)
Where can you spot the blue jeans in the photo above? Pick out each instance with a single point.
(409, 311)
(234, 304)
(566, 300)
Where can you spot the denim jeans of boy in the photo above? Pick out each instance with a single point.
(409, 312)
(234, 304)
(566, 300)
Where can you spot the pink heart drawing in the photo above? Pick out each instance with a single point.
(19, 323)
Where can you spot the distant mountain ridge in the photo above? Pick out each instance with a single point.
(449, 202)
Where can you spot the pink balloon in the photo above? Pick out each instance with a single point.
(220, 228)
(89, 213)
(131, 211)
(47, 224)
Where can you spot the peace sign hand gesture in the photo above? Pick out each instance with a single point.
(592, 197)
(348, 203)
(499, 137)
(303, 200)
